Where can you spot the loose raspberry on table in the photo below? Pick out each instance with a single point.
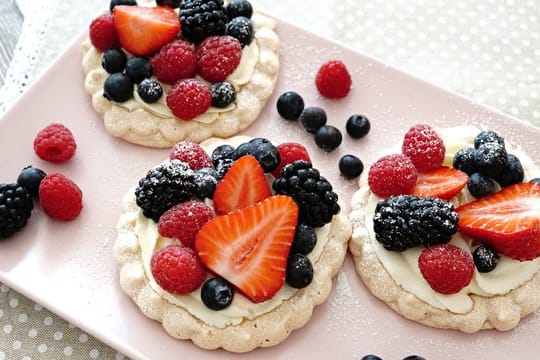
(103, 33)
(189, 98)
(183, 221)
(289, 153)
(192, 154)
(55, 143)
(424, 147)
(175, 61)
(177, 269)
(392, 175)
(60, 197)
(333, 80)
(218, 57)
(446, 268)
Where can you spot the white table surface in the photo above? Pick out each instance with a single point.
(486, 50)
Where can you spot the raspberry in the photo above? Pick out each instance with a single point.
(289, 153)
(218, 57)
(55, 143)
(392, 175)
(446, 268)
(175, 61)
(424, 147)
(189, 98)
(60, 197)
(192, 154)
(103, 33)
(177, 269)
(333, 80)
(183, 221)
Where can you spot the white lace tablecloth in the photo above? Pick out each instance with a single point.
(487, 50)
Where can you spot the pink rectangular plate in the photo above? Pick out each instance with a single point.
(69, 268)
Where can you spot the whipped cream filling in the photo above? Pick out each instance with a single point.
(241, 307)
(403, 266)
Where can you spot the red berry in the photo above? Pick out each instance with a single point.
(60, 198)
(424, 147)
(103, 33)
(183, 221)
(218, 57)
(189, 98)
(55, 143)
(446, 268)
(333, 80)
(192, 154)
(177, 269)
(290, 152)
(392, 175)
(175, 61)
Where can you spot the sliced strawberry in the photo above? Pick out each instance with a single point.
(144, 30)
(243, 185)
(508, 221)
(249, 248)
(444, 183)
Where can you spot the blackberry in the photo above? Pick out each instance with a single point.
(480, 185)
(290, 105)
(239, 8)
(114, 60)
(223, 94)
(202, 18)
(262, 149)
(490, 159)
(485, 258)
(350, 166)
(312, 193)
(163, 187)
(118, 87)
(513, 173)
(138, 69)
(150, 91)
(413, 357)
(405, 221)
(16, 206)
(240, 28)
(358, 126)
(205, 180)
(217, 294)
(304, 241)
(488, 136)
(464, 160)
(312, 118)
(328, 138)
(30, 177)
(299, 273)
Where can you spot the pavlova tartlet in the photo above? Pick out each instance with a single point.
(169, 71)
(232, 249)
(446, 231)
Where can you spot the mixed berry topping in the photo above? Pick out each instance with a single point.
(304, 241)
(217, 294)
(121, 2)
(299, 272)
(60, 197)
(289, 153)
(171, 3)
(480, 185)
(202, 18)
(15, 208)
(175, 61)
(223, 94)
(464, 160)
(424, 147)
(192, 154)
(239, 8)
(150, 91)
(189, 98)
(393, 174)
(490, 159)
(138, 68)
(485, 258)
(114, 60)
(443, 183)
(55, 143)
(103, 33)
(241, 28)
(118, 87)
(218, 57)
(263, 150)
(333, 80)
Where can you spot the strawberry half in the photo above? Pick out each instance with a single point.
(443, 183)
(249, 248)
(508, 221)
(243, 185)
(144, 30)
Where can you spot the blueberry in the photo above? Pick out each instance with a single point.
(535, 180)
(241, 28)
(121, 2)
(358, 126)
(138, 69)
(149, 91)
(304, 241)
(299, 272)
(262, 149)
(114, 60)
(464, 160)
(30, 177)
(328, 137)
(350, 166)
(490, 159)
(485, 258)
(413, 357)
(217, 294)
(223, 152)
(118, 87)
(170, 3)
(223, 94)
(371, 357)
(205, 180)
(513, 172)
(480, 185)
(485, 137)
(290, 105)
(239, 8)
(312, 118)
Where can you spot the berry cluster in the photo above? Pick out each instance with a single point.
(145, 47)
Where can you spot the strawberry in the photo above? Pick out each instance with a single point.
(444, 183)
(144, 30)
(249, 248)
(243, 185)
(508, 221)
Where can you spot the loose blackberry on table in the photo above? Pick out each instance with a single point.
(114, 60)
(312, 118)
(202, 18)
(16, 206)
